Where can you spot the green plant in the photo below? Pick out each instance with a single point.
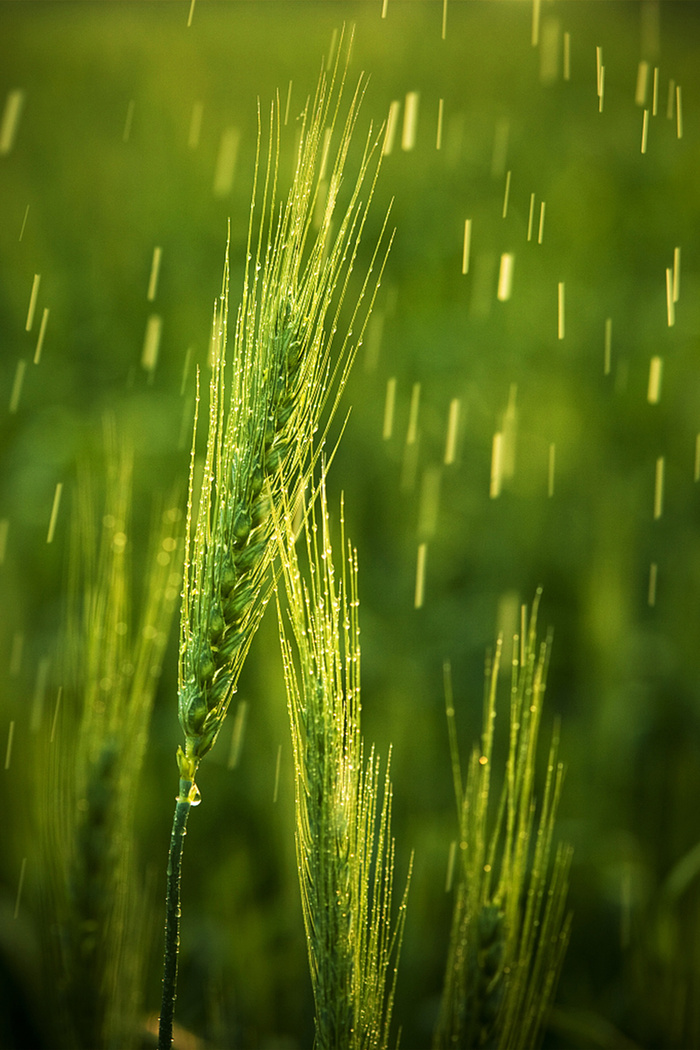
(277, 374)
(345, 852)
(509, 927)
(113, 650)
(287, 376)
(519, 155)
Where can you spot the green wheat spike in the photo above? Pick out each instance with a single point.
(114, 649)
(289, 366)
(345, 851)
(509, 928)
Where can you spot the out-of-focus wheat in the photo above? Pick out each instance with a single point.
(94, 918)
(509, 927)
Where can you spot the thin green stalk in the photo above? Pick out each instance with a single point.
(187, 797)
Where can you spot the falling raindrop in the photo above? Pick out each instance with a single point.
(10, 120)
(8, 750)
(466, 246)
(275, 793)
(20, 886)
(32, 302)
(54, 512)
(42, 333)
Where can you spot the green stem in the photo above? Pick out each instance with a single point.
(172, 915)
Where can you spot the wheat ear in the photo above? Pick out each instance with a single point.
(94, 920)
(344, 847)
(509, 927)
(287, 376)
(289, 367)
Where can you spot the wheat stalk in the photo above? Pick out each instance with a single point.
(509, 927)
(94, 922)
(344, 848)
(289, 367)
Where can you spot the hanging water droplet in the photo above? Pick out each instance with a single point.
(189, 792)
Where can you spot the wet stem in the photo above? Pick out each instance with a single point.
(172, 915)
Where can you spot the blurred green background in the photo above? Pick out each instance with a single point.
(115, 153)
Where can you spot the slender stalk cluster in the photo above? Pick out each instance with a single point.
(287, 374)
(344, 848)
(94, 753)
(509, 927)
